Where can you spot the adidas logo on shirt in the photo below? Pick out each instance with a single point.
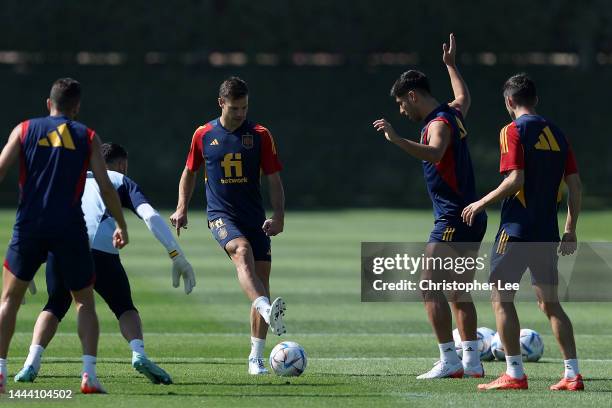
(215, 142)
(59, 137)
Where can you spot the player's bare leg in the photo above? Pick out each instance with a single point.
(563, 330)
(508, 327)
(464, 311)
(440, 318)
(89, 333)
(259, 327)
(44, 330)
(241, 254)
(13, 290)
(130, 325)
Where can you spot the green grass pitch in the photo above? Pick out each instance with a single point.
(359, 354)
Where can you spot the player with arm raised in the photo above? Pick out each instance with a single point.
(54, 153)
(536, 158)
(235, 152)
(111, 279)
(449, 176)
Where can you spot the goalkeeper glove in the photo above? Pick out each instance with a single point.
(181, 267)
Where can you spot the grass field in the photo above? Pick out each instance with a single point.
(359, 354)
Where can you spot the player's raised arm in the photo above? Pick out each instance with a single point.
(275, 225)
(108, 193)
(10, 152)
(462, 99)
(438, 134)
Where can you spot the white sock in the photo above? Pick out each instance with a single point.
(137, 346)
(471, 355)
(514, 366)
(257, 347)
(262, 305)
(89, 365)
(3, 370)
(571, 368)
(448, 354)
(34, 356)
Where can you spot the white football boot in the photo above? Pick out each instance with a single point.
(257, 367)
(277, 312)
(443, 370)
(476, 371)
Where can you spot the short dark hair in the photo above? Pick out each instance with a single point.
(113, 152)
(409, 81)
(65, 94)
(521, 89)
(233, 88)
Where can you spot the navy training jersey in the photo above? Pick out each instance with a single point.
(100, 224)
(450, 182)
(233, 163)
(537, 146)
(54, 158)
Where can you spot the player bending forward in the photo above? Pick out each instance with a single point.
(111, 280)
(535, 158)
(235, 152)
(449, 176)
(55, 152)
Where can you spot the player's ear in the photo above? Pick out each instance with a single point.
(77, 109)
(536, 101)
(412, 96)
(49, 105)
(221, 102)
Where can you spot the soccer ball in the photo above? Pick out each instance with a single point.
(487, 337)
(288, 359)
(532, 346)
(483, 335)
(497, 348)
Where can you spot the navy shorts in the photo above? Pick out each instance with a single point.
(112, 285)
(456, 230)
(511, 256)
(225, 230)
(71, 253)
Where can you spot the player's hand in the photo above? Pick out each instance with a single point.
(383, 125)
(469, 213)
(181, 267)
(449, 51)
(120, 238)
(273, 226)
(178, 221)
(569, 243)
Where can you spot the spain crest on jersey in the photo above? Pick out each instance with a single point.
(247, 141)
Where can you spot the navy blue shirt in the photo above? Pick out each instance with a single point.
(54, 158)
(450, 182)
(233, 163)
(541, 150)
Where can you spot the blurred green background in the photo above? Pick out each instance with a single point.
(319, 74)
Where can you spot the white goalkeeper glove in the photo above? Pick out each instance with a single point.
(33, 290)
(181, 267)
